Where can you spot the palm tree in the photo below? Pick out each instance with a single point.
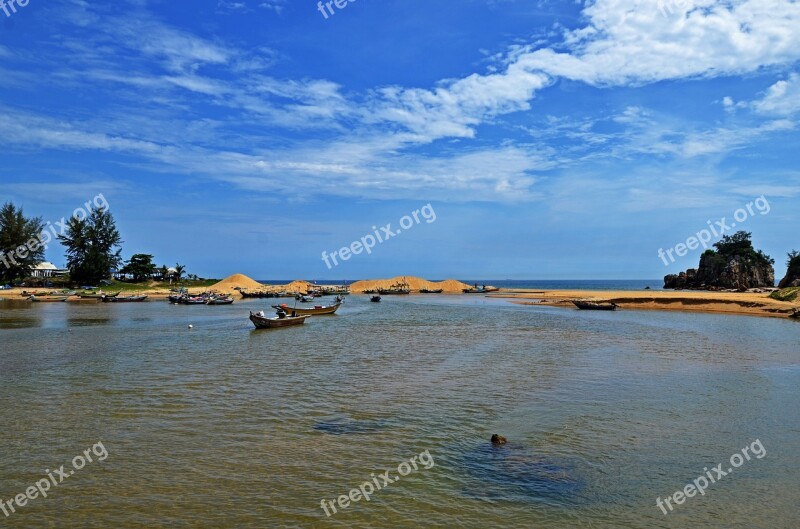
(179, 269)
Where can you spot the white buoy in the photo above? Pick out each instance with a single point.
(191, 326)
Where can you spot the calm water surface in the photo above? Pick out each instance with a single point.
(225, 426)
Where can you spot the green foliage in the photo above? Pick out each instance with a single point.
(92, 247)
(179, 270)
(140, 266)
(740, 245)
(20, 246)
(787, 294)
(793, 261)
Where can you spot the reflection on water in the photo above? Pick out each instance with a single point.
(218, 426)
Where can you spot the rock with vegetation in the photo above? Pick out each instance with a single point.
(735, 264)
(792, 278)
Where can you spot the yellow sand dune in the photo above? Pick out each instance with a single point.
(450, 286)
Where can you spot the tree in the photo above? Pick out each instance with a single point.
(92, 246)
(163, 272)
(740, 244)
(794, 254)
(21, 245)
(140, 266)
(179, 269)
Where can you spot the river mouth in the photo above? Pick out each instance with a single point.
(605, 413)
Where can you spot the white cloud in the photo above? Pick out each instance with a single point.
(634, 43)
(782, 98)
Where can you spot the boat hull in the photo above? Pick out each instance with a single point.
(589, 305)
(316, 311)
(276, 323)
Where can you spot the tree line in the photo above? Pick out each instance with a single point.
(93, 247)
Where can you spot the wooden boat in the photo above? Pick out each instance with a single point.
(97, 295)
(592, 305)
(304, 299)
(372, 291)
(225, 300)
(316, 311)
(429, 291)
(262, 322)
(375, 299)
(48, 299)
(125, 299)
(479, 290)
(194, 300)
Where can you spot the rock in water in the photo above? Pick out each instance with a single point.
(734, 265)
(498, 440)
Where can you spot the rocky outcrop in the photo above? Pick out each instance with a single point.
(743, 270)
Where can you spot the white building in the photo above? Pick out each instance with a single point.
(46, 269)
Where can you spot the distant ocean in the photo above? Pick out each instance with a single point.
(543, 284)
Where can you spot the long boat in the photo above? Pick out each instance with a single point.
(48, 299)
(125, 299)
(479, 290)
(223, 300)
(262, 322)
(315, 311)
(429, 291)
(592, 305)
(99, 296)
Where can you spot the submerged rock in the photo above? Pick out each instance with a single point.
(516, 473)
(349, 425)
(499, 440)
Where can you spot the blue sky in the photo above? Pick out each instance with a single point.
(553, 139)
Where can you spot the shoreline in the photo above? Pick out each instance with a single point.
(733, 303)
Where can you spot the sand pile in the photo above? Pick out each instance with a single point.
(237, 281)
(297, 286)
(414, 283)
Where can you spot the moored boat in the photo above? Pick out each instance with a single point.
(48, 299)
(282, 320)
(479, 290)
(98, 295)
(125, 299)
(319, 310)
(375, 299)
(593, 305)
(429, 291)
(221, 300)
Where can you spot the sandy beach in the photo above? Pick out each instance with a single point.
(742, 303)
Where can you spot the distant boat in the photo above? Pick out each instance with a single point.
(319, 310)
(98, 295)
(398, 289)
(282, 320)
(48, 299)
(304, 299)
(592, 305)
(375, 299)
(220, 300)
(125, 299)
(479, 290)
(429, 291)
